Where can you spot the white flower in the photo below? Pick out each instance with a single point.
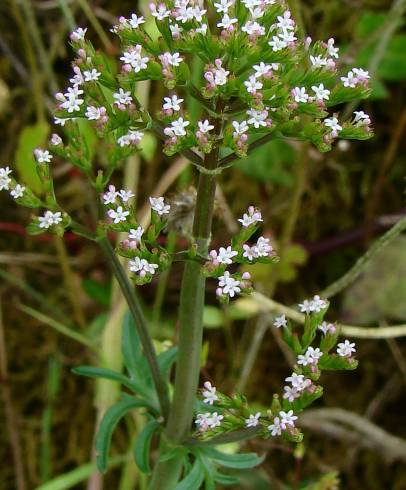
(287, 418)
(205, 126)
(239, 128)
(173, 59)
(262, 69)
(215, 420)
(346, 348)
(314, 305)
(177, 128)
(280, 321)
(202, 29)
(208, 420)
(263, 248)
(320, 92)
(250, 253)
(118, 215)
(333, 124)
(361, 119)
(71, 100)
(253, 84)
(209, 394)
(172, 103)
(275, 428)
(78, 34)
(332, 51)
(122, 97)
(300, 95)
(350, 80)
(134, 58)
(258, 118)
(91, 75)
(175, 30)
(55, 139)
(136, 21)
(252, 420)
(159, 206)
(318, 304)
(125, 195)
(290, 393)
(18, 191)
(361, 74)
(318, 61)
(223, 6)
(110, 196)
(220, 76)
(131, 138)
(253, 215)
(229, 285)
(93, 113)
(49, 219)
(142, 267)
(202, 420)
(253, 29)
(326, 327)
(136, 234)
(288, 37)
(311, 356)
(296, 380)
(227, 22)
(285, 22)
(277, 43)
(5, 180)
(161, 12)
(42, 156)
(225, 255)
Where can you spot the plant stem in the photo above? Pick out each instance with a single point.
(191, 310)
(140, 322)
(167, 473)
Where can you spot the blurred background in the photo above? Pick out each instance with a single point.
(59, 308)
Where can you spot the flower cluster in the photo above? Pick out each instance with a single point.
(258, 78)
(146, 256)
(301, 389)
(239, 252)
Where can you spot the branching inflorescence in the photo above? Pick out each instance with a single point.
(258, 82)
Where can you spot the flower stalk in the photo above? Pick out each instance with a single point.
(140, 322)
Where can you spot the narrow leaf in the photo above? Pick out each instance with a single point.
(96, 372)
(143, 445)
(194, 479)
(241, 460)
(166, 359)
(107, 426)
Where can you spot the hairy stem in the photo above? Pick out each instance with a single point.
(140, 322)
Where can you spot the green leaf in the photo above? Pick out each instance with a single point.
(239, 460)
(166, 360)
(97, 291)
(134, 360)
(96, 372)
(226, 479)
(107, 426)
(31, 137)
(194, 479)
(143, 445)
(271, 162)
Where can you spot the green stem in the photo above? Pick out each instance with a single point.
(166, 473)
(140, 322)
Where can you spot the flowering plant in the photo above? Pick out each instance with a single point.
(259, 81)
